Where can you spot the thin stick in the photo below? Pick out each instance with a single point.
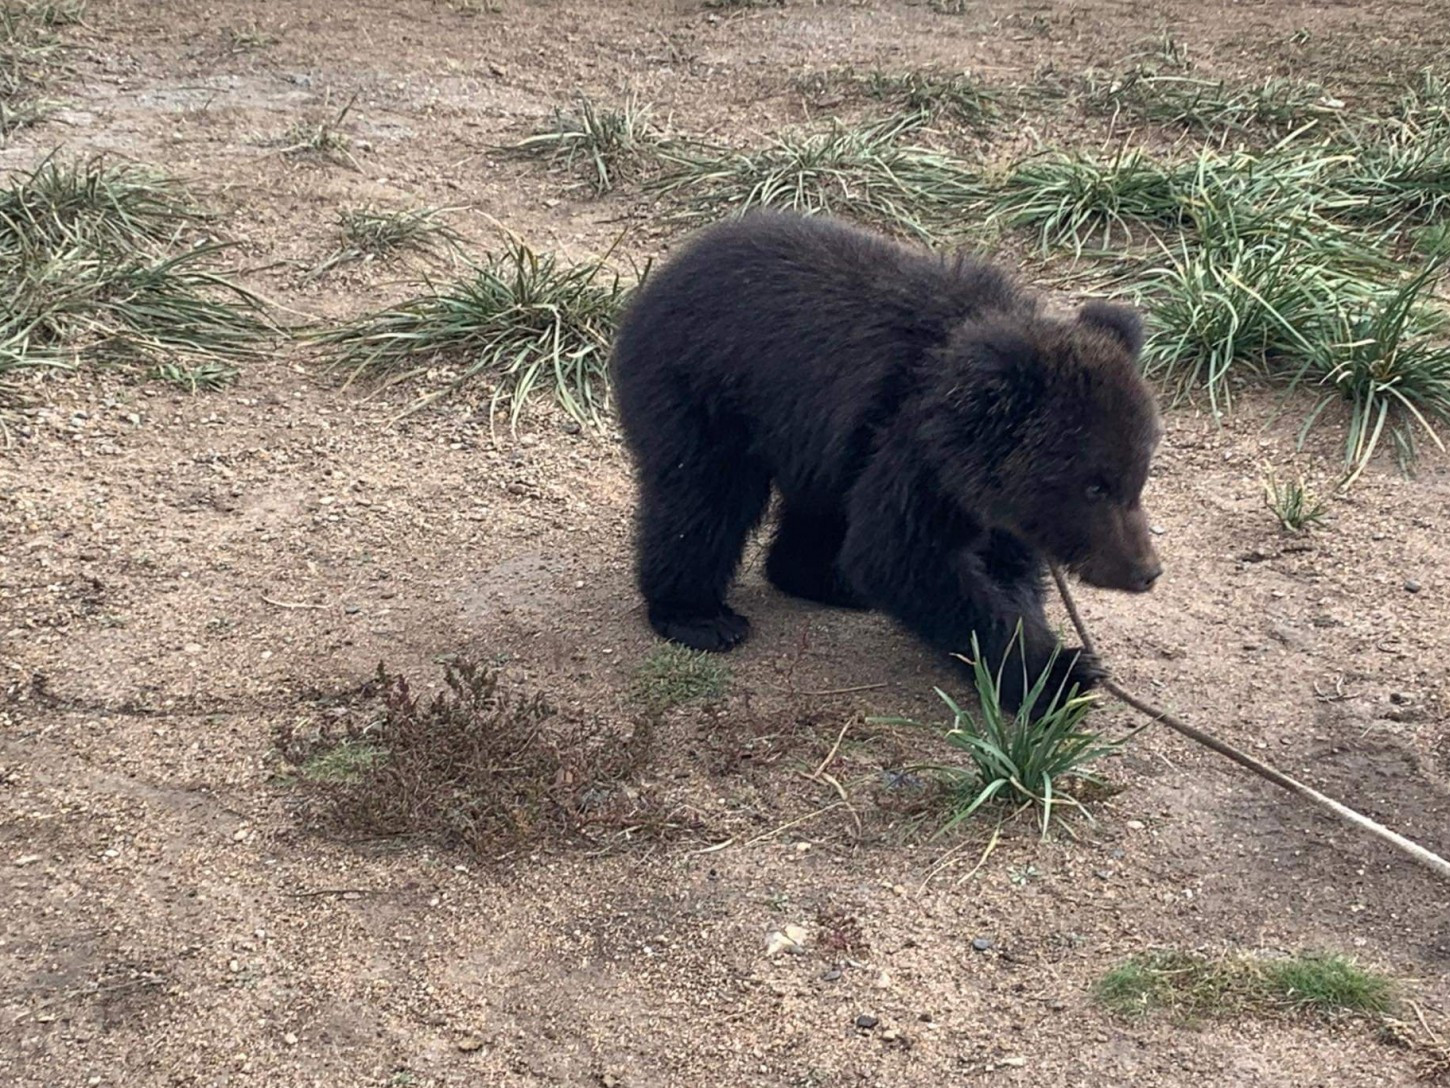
(1425, 857)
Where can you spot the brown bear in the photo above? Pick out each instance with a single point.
(934, 436)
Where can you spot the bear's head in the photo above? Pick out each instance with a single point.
(1048, 432)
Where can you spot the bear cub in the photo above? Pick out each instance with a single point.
(934, 436)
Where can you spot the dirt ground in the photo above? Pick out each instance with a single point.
(179, 575)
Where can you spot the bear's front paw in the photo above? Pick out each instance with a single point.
(1072, 668)
(1084, 671)
(718, 633)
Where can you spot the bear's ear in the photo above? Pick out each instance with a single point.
(1009, 374)
(1118, 321)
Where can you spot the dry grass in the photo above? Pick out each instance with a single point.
(477, 767)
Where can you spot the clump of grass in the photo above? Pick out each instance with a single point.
(322, 139)
(1293, 503)
(1194, 986)
(924, 96)
(1072, 200)
(1216, 108)
(1022, 760)
(53, 13)
(92, 205)
(953, 97)
(94, 271)
(523, 322)
(371, 234)
(610, 144)
(346, 763)
(1400, 178)
(1232, 309)
(477, 766)
(1380, 356)
(672, 675)
(864, 172)
(246, 39)
(210, 376)
(28, 64)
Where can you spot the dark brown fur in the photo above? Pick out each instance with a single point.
(934, 437)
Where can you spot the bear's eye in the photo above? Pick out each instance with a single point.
(1097, 492)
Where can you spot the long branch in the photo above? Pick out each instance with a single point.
(1425, 857)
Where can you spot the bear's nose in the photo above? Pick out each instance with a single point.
(1148, 576)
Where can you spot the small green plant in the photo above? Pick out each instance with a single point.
(321, 139)
(609, 143)
(1237, 307)
(66, 205)
(94, 269)
(209, 376)
(1380, 356)
(247, 39)
(1024, 759)
(1400, 178)
(863, 172)
(374, 233)
(672, 675)
(1293, 503)
(347, 763)
(952, 97)
(1328, 985)
(1072, 200)
(30, 59)
(1275, 108)
(369, 234)
(1194, 986)
(53, 12)
(521, 323)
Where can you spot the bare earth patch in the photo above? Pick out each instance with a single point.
(184, 578)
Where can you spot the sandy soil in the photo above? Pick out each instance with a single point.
(180, 575)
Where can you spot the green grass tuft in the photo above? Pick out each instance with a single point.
(522, 323)
(956, 97)
(91, 205)
(370, 234)
(1382, 356)
(1329, 985)
(1193, 986)
(95, 271)
(1073, 200)
(672, 675)
(865, 173)
(610, 144)
(1214, 108)
(1296, 507)
(349, 762)
(1014, 759)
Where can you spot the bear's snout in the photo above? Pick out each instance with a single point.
(1123, 557)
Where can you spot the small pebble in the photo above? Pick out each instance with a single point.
(468, 1044)
(866, 1021)
(982, 944)
(832, 975)
(1412, 586)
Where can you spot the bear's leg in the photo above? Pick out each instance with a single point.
(694, 518)
(802, 559)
